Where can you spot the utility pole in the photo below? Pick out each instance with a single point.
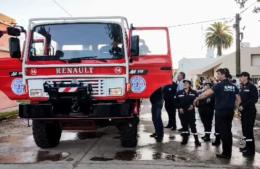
(238, 41)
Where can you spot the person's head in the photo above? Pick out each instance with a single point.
(181, 76)
(115, 44)
(187, 84)
(223, 74)
(244, 77)
(207, 85)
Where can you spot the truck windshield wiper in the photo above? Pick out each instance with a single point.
(94, 57)
(79, 59)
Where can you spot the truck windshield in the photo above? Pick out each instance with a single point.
(77, 41)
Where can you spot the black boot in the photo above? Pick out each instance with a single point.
(242, 149)
(153, 135)
(203, 137)
(159, 139)
(216, 142)
(248, 153)
(249, 150)
(197, 142)
(181, 130)
(206, 138)
(168, 126)
(185, 138)
(224, 156)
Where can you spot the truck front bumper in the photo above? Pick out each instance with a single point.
(100, 111)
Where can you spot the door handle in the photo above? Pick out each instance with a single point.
(166, 68)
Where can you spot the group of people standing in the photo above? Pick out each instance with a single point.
(221, 98)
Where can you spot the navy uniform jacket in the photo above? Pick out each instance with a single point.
(225, 97)
(207, 103)
(185, 100)
(249, 96)
(157, 97)
(169, 93)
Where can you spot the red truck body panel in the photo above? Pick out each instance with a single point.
(147, 73)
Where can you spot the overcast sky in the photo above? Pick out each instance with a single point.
(186, 41)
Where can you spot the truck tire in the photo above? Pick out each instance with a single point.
(46, 134)
(128, 132)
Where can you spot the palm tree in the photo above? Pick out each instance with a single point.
(219, 36)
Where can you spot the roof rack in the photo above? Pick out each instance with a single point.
(119, 19)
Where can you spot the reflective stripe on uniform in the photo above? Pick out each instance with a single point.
(242, 138)
(194, 134)
(185, 132)
(249, 140)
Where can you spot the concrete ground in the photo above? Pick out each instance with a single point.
(78, 151)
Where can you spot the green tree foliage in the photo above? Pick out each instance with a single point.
(219, 36)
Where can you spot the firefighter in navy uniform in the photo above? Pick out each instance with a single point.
(206, 112)
(226, 98)
(249, 96)
(156, 100)
(169, 94)
(185, 106)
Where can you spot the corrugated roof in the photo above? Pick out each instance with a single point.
(6, 19)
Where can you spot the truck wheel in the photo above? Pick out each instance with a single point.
(128, 132)
(46, 134)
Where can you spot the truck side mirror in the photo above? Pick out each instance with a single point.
(135, 45)
(12, 31)
(14, 47)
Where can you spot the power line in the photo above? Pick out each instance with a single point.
(214, 20)
(62, 8)
(252, 4)
(201, 22)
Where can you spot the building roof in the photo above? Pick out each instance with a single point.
(6, 20)
(216, 63)
(189, 65)
(220, 60)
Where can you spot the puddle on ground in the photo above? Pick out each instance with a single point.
(101, 159)
(131, 155)
(87, 135)
(127, 155)
(47, 156)
(32, 157)
(68, 136)
(117, 137)
(69, 159)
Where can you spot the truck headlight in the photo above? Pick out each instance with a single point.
(115, 91)
(36, 92)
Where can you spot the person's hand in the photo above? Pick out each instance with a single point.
(208, 100)
(240, 108)
(181, 111)
(191, 107)
(195, 102)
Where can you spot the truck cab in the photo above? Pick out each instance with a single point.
(85, 73)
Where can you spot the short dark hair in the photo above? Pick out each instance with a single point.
(224, 71)
(183, 74)
(245, 74)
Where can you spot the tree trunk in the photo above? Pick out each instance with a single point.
(219, 50)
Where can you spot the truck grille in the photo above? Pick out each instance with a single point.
(97, 86)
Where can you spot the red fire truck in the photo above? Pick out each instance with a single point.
(84, 73)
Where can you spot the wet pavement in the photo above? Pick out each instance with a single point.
(103, 150)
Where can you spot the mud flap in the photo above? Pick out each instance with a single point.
(35, 111)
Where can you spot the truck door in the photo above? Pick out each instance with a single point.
(152, 68)
(11, 82)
